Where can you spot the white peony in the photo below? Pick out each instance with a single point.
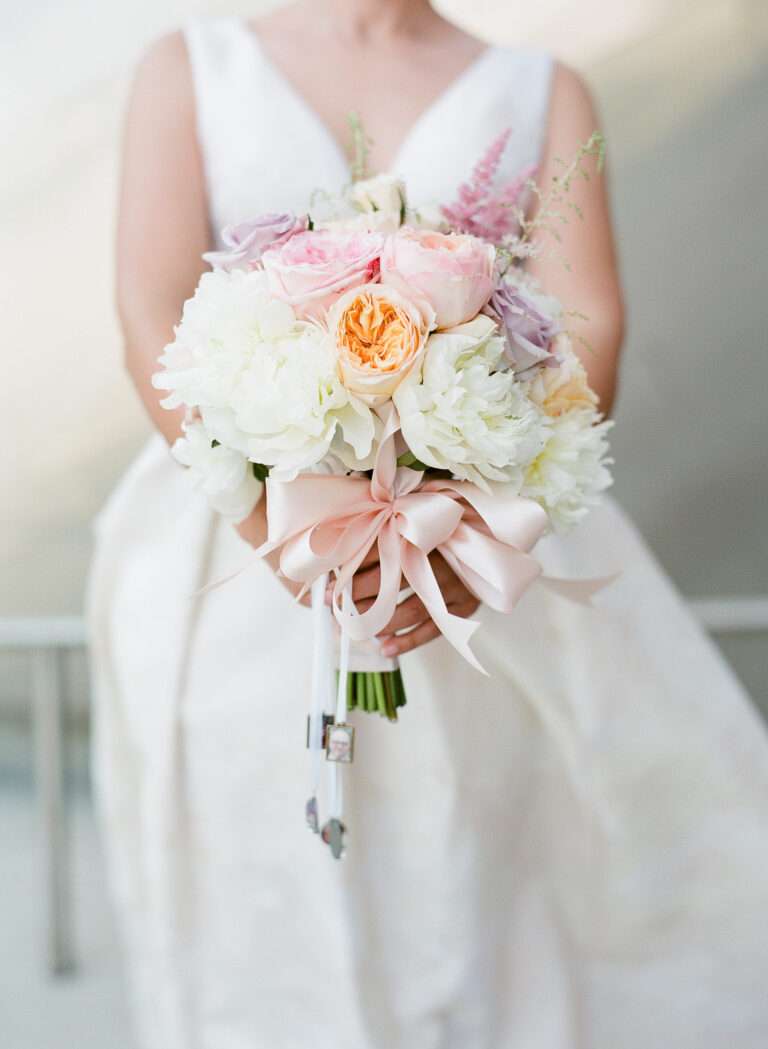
(223, 475)
(220, 326)
(266, 384)
(462, 414)
(572, 470)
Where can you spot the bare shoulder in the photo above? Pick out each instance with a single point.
(165, 54)
(163, 73)
(571, 97)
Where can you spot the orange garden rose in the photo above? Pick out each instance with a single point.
(380, 337)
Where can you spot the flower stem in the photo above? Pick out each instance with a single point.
(376, 692)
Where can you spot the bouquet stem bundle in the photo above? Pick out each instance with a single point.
(376, 692)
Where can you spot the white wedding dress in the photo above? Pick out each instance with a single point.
(569, 854)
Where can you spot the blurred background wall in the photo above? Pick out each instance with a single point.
(683, 89)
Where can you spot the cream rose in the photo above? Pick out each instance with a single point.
(360, 222)
(380, 338)
(382, 199)
(565, 387)
(572, 470)
(453, 272)
(374, 205)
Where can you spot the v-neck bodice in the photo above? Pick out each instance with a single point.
(265, 148)
(455, 86)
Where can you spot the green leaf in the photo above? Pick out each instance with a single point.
(359, 149)
(260, 472)
(410, 460)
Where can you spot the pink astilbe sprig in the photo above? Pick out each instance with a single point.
(499, 217)
(482, 208)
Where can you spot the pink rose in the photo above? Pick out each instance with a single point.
(452, 271)
(314, 268)
(245, 242)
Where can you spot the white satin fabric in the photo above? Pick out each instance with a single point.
(569, 854)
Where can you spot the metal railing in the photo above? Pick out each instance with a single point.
(47, 639)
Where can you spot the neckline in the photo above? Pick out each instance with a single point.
(454, 86)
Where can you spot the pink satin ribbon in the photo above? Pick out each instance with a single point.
(325, 524)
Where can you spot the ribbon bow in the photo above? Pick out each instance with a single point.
(326, 523)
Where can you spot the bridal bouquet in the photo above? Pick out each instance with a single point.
(397, 380)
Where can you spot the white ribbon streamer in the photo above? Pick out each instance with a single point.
(321, 677)
(336, 785)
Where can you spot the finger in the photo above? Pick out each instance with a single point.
(372, 557)
(420, 635)
(453, 590)
(366, 583)
(452, 587)
(464, 608)
(408, 614)
(441, 568)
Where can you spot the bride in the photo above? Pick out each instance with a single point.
(569, 854)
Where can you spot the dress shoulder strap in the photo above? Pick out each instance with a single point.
(215, 55)
(519, 89)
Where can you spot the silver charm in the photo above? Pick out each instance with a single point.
(328, 720)
(333, 835)
(340, 743)
(310, 812)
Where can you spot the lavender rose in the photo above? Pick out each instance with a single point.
(529, 331)
(245, 242)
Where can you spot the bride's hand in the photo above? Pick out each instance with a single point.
(411, 616)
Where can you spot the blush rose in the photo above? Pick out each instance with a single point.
(452, 272)
(312, 269)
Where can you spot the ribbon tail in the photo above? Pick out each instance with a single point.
(498, 574)
(365, 625)
(268, 547)
(217, 583)
(579, 590)
(418, 571)
(385, 468)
